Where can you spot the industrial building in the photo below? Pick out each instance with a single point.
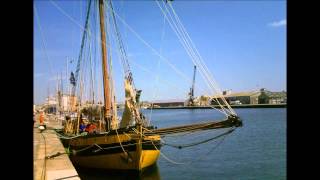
(255, 97)
(169, 104)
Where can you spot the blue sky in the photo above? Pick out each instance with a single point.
(243, 43)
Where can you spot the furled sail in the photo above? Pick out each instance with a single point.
(131, 111)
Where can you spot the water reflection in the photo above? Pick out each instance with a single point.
(150, 173)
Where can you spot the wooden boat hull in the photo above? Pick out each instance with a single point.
(119, 161)
(105, 151)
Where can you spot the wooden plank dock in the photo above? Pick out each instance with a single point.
(47, 144)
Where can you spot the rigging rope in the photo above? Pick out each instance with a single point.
(182, 35)
(120, 141)
(72, 34)
(152, 73)
(201, 59)
(112, 88)
(91, 74)
(156, 52)
(167, 82)
(82, 45)
(224, 135)
(95, 20)
(149, 46)
(213, 148)
(184, 43)
(201, 142)
(42, 39)
(124, 57)
(210, 76)
(85, 29)
(80, 7)
(158, 67)
(67, 15)
(135, 33)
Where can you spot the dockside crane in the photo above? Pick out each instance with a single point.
(191, 93)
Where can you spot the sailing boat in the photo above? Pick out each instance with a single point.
(132, 144)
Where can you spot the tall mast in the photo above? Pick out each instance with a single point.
(106, 88)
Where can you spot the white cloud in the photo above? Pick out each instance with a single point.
(282, 22)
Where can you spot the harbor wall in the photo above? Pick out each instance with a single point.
(233, 106)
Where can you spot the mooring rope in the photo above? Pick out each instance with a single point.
(55, 155)
(66, 137)
(44, 167)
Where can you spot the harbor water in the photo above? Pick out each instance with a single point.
(255, 151)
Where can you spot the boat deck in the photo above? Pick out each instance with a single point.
(45, 144)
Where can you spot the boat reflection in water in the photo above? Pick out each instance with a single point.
(150, 173)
